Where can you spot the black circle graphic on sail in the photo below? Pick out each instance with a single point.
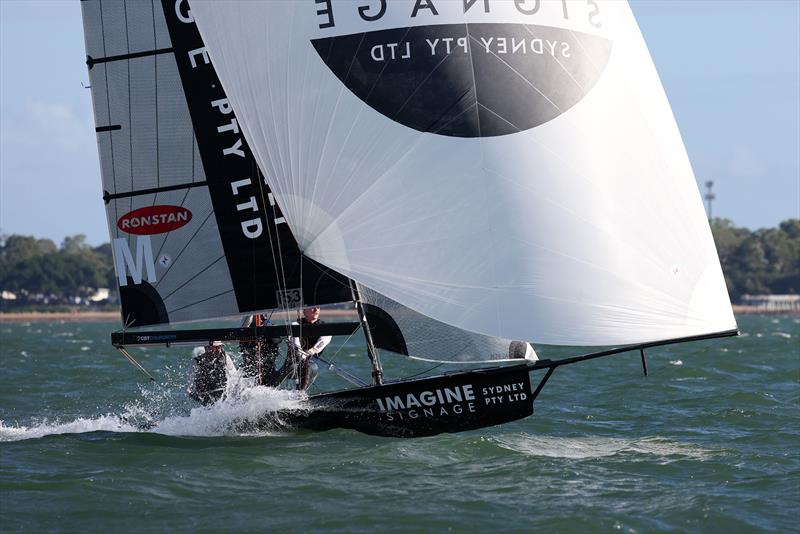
(468, 80)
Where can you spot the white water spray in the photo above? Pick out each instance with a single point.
(245, 409)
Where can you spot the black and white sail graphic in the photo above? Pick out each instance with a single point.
(468, 80)
(195, 230)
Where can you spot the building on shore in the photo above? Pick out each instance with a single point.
(772, 303)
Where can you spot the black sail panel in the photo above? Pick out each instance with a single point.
(261, 252)
(267, 268)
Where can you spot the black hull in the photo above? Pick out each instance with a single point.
(449, 403)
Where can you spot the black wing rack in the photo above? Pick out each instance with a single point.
(552, 365)
(209, 335)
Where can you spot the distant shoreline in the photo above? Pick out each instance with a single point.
(71, 316)
(100, 316)
(740, 309)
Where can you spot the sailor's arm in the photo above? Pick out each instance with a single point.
(296, 340)
(320, 345)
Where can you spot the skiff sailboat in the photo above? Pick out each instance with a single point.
(466, 172)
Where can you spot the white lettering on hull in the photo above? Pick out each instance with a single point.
(448, 401)
(427, 398)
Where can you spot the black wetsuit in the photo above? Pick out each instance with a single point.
(259, 358)
(208, 375)
(307, 342)
(308, 368)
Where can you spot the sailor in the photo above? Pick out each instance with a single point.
(259, 357)
(208, 374)
(309, 346)
(522, 350)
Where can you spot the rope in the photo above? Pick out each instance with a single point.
(257, 321)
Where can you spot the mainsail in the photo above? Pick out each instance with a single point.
(195, 230)
(508, 168)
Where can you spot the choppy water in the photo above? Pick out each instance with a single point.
(709, 442)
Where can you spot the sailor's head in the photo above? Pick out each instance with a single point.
(311, 314)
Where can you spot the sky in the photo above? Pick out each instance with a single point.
(731, 70)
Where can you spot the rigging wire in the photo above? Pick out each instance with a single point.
(279, 268)
(333, 358)
(280, 273)
(135, 363)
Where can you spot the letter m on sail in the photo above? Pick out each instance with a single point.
(124, 260)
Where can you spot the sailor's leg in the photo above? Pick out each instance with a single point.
(250, 362)
(270, 375)
(310, 370)
(290, 365)
(208, 378)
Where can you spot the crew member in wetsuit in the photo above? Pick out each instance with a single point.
(310, 346)
(259, 357)
(208, 373)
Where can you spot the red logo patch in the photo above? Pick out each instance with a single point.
(154, 220)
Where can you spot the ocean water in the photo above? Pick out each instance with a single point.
(708, 442)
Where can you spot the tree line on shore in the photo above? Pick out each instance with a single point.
(761, 262)
(38, 273)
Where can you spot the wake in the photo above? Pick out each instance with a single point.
(243, 410)
(588, 447)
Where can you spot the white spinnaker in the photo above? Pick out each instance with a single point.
(585, 230)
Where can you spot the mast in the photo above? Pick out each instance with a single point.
(374, 358)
